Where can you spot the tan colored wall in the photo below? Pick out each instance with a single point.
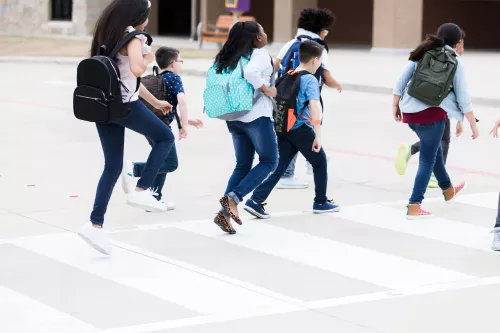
(397, 23)
(211, 9)
(286, 14)
(30, 17)
(153, 18)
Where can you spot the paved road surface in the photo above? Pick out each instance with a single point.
(363, 270)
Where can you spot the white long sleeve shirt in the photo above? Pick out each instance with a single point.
(259, 72)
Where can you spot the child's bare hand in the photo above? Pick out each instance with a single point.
(164, 106)
(183, 134)
(494, 131)
(197, 123)
(338, 86)
(475, 131)
(271, 92)
(316, 145)
(460, 129)
(396, 113)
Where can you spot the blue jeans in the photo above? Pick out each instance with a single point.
(257, 136)
(431, 159)
(170, 164)
(112, 136)
(299, 140)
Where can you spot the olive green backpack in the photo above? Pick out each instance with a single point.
(434, 76)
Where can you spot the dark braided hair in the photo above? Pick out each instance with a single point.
(240, 43)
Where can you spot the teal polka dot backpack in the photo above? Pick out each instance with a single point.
(228, 96)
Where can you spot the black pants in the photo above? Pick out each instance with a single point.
(299, 140)
(445, 142)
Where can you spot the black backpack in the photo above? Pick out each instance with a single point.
(97, 97)
(157, 86)
(285, 112)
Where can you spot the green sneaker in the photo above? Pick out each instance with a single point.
(433, 183)
(401, 161)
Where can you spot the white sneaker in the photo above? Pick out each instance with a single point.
(169, 205)
(97, 238)
(495, 245)
(127, 175)
(146, 201)
(309, 169)
(291, 183)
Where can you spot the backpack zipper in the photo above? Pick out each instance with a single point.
(92, 98)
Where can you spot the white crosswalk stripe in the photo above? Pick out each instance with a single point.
(219, 297)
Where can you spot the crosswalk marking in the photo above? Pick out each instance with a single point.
(362, 264)
(436, 228)
(195, 291)
(19, 313)
(484, 200)
(216, 298)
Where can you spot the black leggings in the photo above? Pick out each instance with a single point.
(445, 141)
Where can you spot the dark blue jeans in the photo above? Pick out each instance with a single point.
(299, 140)
(431, 159)
(248, 138)
(170, 164)
(112, 136)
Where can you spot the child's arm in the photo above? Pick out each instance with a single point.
(330, 81)
(164, 106)
(316, 113)
(253, 72)
(183, 109)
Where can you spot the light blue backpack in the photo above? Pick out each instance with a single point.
(228, 96)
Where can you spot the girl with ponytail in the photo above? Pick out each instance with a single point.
(430, 122)
(253, 132)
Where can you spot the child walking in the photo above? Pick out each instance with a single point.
(313, 24)
(304, 137)
(427, 120)
(118, 19)
(405, 152)
(170, 63)
(253, 132)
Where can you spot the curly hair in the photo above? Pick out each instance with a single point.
(315, 19)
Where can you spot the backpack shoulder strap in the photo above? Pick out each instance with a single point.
(127, 39)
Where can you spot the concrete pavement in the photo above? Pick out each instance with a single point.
(357, 70)
(363, 270)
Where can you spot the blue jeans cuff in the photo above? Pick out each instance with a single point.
(235, 197)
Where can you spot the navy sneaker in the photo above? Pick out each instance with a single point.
(327, 207)
(256, 209)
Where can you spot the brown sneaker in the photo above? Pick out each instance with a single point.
(452, 192)
(415, 212)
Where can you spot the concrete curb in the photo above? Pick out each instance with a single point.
(491, 102)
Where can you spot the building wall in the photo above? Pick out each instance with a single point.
(354, 24)
(397, 24)
(479, 19)
(30, 17)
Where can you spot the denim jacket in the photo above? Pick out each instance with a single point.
(456, 104)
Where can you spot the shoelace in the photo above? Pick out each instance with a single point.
(262, 205)
(154, 193)
(423, 211)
